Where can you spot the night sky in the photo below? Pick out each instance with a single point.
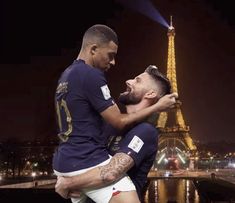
(39, 39)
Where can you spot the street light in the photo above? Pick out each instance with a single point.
(197, 158)
(33, 176)
(211, 158)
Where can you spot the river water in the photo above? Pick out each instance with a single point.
(172, 191)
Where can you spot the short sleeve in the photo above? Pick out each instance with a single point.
(97, 91)
(140, 142)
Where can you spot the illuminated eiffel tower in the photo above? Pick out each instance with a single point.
(174, 139)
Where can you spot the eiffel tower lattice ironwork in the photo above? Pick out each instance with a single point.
(173, 130)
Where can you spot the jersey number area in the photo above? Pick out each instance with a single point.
(64, 120)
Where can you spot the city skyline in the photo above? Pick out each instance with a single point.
(34, 55)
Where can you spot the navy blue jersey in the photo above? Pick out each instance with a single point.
(141, 144)
(82, 93)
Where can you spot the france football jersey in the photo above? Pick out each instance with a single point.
(141, 144)
(82, 93)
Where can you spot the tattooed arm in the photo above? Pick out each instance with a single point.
(118, 166)
(97, 177)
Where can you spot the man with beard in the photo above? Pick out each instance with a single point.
(133, 150)
(83, 102)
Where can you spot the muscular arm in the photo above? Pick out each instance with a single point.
(116, 169)
(97, 177)
(113, 115)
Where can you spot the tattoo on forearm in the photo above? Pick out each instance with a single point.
(117, 167)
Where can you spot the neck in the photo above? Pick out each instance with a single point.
(85, 57)
(132, 108)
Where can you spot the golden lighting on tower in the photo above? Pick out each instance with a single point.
(179, 125)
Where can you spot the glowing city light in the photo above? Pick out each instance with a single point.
(181, 158)
(159, 161)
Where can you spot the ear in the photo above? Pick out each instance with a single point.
(151, 94)
(93, 49)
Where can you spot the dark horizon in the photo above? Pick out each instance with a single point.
(40, 39)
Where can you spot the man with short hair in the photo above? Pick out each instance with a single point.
(134, 152)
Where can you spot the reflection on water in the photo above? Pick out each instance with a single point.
(171, 190)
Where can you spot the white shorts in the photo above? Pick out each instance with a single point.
(104, 194)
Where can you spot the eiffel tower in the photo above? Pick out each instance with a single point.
(174, 133)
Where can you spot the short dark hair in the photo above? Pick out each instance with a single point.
(100, 34)
(160, 78)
